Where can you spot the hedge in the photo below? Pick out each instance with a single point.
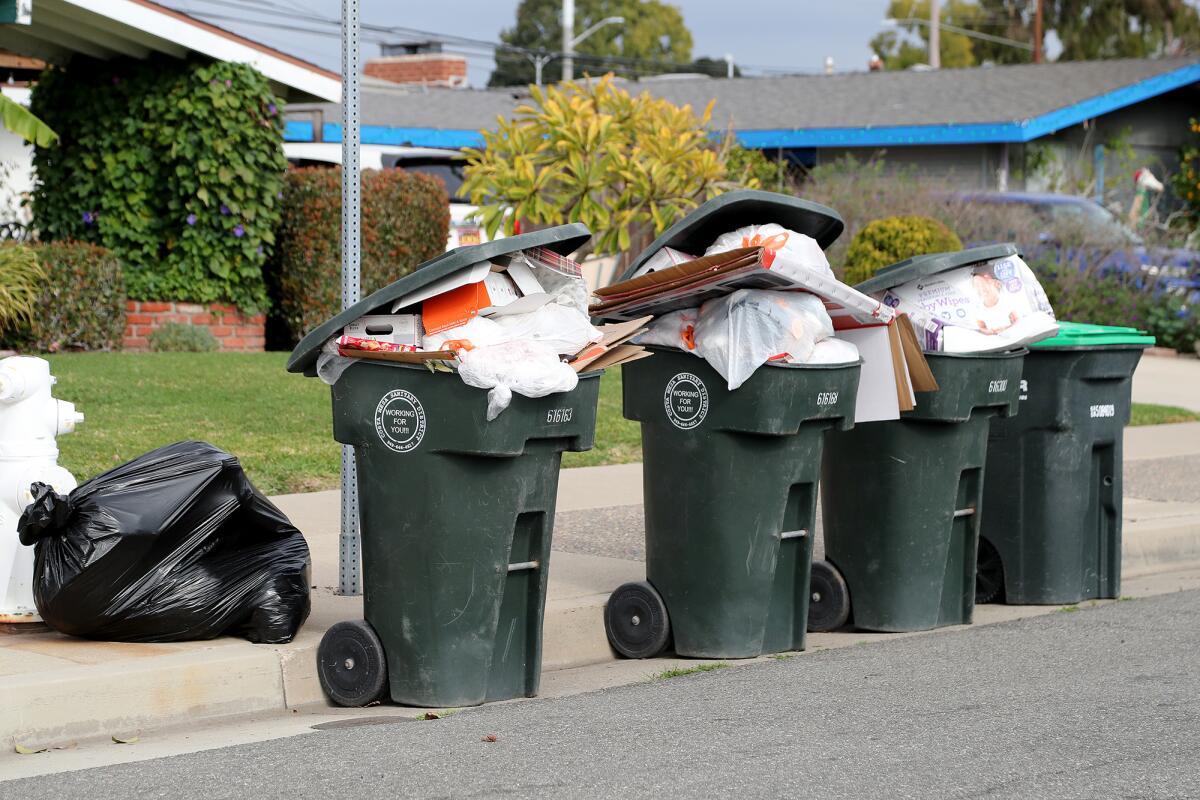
(405, 222)
(886, 241)
(81, 301)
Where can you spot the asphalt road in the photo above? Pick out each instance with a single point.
(1171, 479)
(1099, 703)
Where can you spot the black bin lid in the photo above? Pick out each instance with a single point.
(727, 212)
(562, 239)
(910, 269)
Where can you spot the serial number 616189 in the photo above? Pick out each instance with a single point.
(559, 415)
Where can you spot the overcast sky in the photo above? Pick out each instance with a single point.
(775, 34)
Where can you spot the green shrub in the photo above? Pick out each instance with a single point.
(175, 337)
(80, 303)
(21, 280)
(886, 241)
(175, 166)
(405, 221)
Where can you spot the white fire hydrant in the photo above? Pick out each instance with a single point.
(30, 419)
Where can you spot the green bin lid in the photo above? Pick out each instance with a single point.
(1082, 334)
(727, 212)
(562, 239)
(910, 269)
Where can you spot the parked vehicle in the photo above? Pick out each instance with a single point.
(1117, 248)
(446, 165)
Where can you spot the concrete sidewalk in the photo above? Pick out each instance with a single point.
(58, 689)
(1168, 382)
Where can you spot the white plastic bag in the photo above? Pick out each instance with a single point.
(562, 328)
(527, 368)
(997, 305)
(776, 239)
(676, 329)
(738, 333)
(833, 351)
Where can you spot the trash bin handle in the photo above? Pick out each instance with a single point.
(959, 513)
(800, 534)
(521, 565)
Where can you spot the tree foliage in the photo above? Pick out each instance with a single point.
(908, 44)
(21, 121)
(174, 166)
(1096, 29)
(653, 32)
(590, 152)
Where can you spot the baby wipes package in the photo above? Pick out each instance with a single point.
(984, 307)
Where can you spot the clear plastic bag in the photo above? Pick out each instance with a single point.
(676, 329)
(738, 333)
(528, 368)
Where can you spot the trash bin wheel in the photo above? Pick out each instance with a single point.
(989, 574)
(351, 664)
(636, 621)
(829, 605)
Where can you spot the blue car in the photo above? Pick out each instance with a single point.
(1122, 250)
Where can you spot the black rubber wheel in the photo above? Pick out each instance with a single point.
(351, 664)
(829, 605)
(989, 574)
(636, 621)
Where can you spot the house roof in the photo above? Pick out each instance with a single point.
(107, 29)
(1014, 103)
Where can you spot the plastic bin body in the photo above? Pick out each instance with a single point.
(730, 486)
(901, 500)
(457, 515)
(1054, 488)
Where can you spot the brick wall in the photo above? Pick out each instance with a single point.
(430, 69)
(235, 331)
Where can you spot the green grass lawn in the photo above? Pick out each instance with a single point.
(277, 423)
(1149, 414)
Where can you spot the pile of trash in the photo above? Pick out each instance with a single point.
(759, 293)
(514, 326)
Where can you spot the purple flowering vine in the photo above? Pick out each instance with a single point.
(224, 210)
(191, 219)
(239, 231)
(88, 217)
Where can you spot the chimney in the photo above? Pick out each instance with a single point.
(419, 63)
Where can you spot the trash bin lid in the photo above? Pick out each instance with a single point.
(1082, 334)
(727, 212)
(562, 239)
(910, 269)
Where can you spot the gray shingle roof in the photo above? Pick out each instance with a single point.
(853, 100)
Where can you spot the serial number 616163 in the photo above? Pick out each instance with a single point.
(559, 415)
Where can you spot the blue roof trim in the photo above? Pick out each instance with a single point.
(898, 135)
(411, 137)
(296, 131)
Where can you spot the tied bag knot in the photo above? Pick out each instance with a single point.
(48, 513)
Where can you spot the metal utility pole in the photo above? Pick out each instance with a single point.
(568, 40)
(729, 65)
(935, 34)
(1037, 32)
(349, 551)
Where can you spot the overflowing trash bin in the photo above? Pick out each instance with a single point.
(1052, 532)
(456, 499)
(730, 452)
(901, 500)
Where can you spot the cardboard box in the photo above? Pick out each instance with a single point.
(391, 328)
(503, 290)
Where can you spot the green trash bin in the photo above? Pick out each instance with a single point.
(729, 477)
(901, 499)
(456, 514)
(1052, 533)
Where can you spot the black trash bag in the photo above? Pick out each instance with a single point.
(175, 545)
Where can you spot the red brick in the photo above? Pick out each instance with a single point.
(132, 305)
(222, 307)
(128, 331)
(202, 319)
(257, 319)
(249, 330)
(155, 307)
(232, 343)
(221, 331)
(189, 308)
(139, 319)
(136, 343)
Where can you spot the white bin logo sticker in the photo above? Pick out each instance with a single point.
(686, 401)
(400, 421)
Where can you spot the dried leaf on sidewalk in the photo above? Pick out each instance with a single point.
(428, 715)
(125, 739)
(27, 751)
(491, 737)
